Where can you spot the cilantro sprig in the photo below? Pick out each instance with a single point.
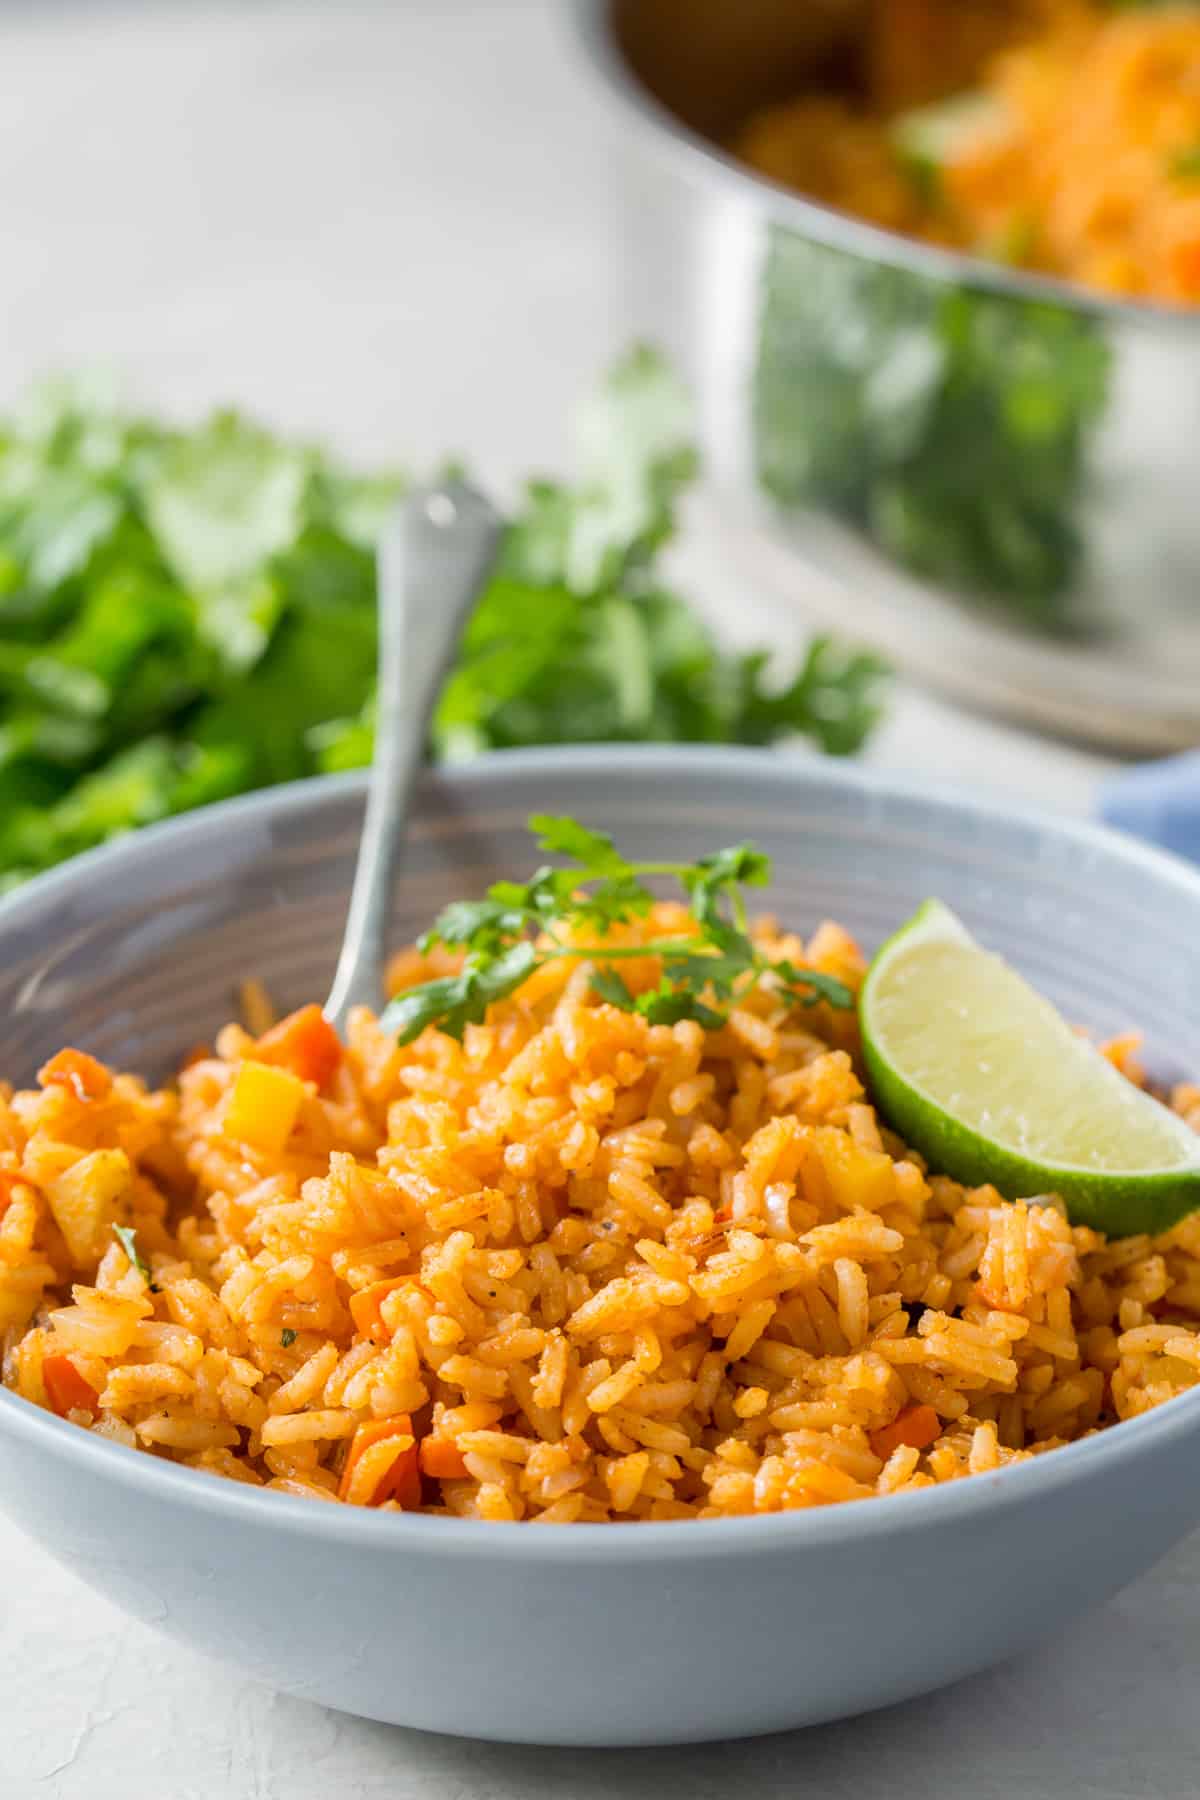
(520, 926)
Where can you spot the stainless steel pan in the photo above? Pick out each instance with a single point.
(991, 474)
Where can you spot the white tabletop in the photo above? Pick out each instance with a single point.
(390, 225)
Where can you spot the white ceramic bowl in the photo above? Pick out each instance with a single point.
(593, 1634)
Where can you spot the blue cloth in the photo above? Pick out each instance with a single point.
(1158, 801)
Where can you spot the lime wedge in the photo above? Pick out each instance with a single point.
(988, 1081)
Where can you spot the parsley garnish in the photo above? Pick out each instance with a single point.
(518, 927)
(126, 1236)
(287, 1337)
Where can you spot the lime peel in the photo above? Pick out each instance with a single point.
(983, 1076)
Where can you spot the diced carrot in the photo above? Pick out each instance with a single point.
(66, 1388)
(305, 1042)
(1185, 266)
(1122, 1053)
(917, 1426)
(365, 1305)
(75, 1069)
(442, 1459)
(402, 1481)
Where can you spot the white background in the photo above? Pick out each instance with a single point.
(392, 226)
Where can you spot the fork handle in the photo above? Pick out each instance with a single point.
(433, 561)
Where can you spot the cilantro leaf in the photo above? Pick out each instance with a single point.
(223, 500)
(810, 985)
(619, 899)
(592, 850)
(543, 895)
(432, 1003)
(126, 1236)
(667, 1005)
(1184, 164)
(467, 921)
(742, 864)
(612, 986)
(718, 971)
(455, 1001)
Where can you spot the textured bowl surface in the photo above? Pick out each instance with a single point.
(589, 1634)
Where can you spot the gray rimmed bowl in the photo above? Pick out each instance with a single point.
(595, 1634)
(987, 472)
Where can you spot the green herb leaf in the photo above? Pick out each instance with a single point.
(742, 864)
(613, 987)
(467, 921)
(720, 970)
(668, 1005)
(223, 500)
(592, 850)
(126, 1236)
(456, 1001)
(438, 1002)
(287, 1337)
(809, 986)
(1185, 164)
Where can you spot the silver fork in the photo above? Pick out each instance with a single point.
(433, 562)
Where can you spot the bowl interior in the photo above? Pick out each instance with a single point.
(135, 952)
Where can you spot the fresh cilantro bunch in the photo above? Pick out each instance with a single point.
(179, 609)
(187, 613)
(520, 926)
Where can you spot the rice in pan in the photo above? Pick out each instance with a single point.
(1076, 151)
